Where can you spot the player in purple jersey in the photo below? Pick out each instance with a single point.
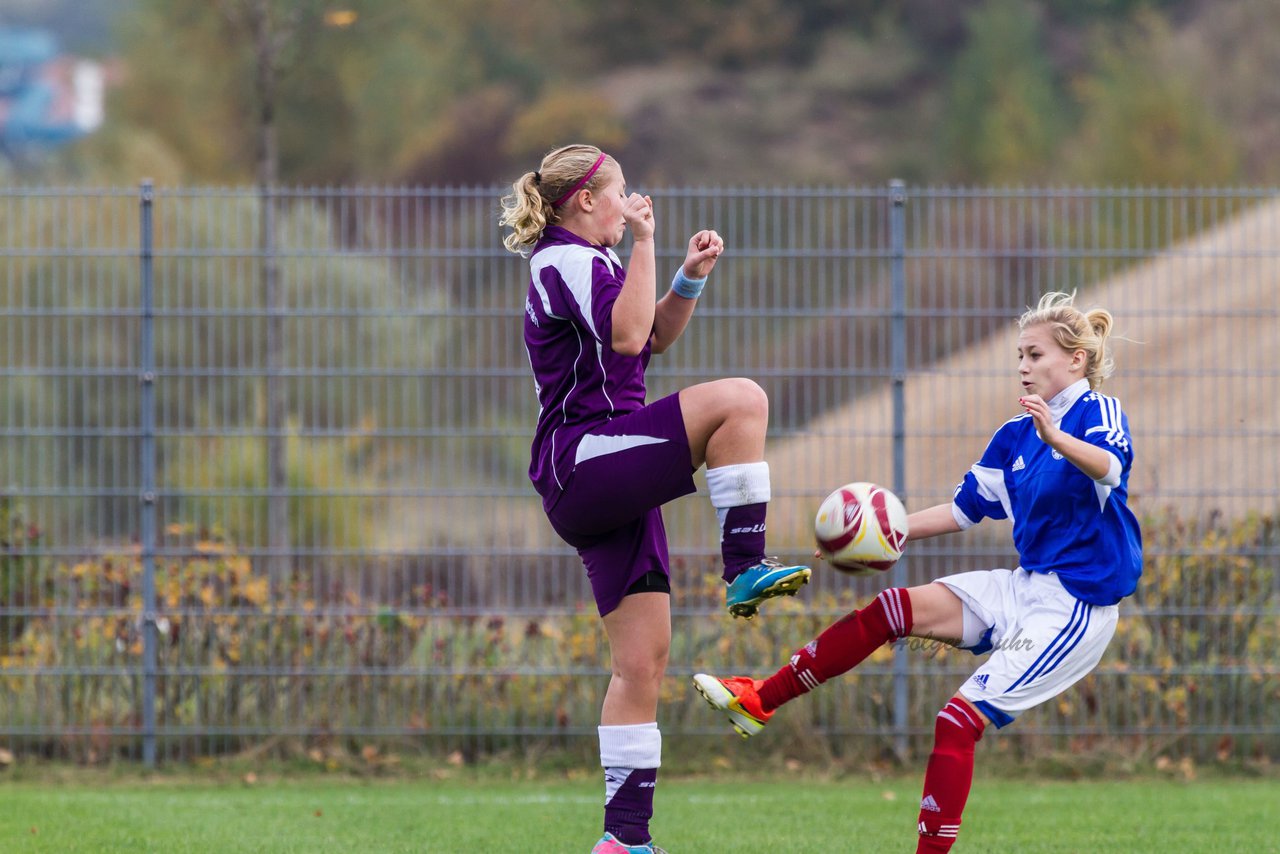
(1059, 472)
(604, 461)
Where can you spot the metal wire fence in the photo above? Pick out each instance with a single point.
(262, 460)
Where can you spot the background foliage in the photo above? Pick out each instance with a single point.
(224, 635)
(765, 91)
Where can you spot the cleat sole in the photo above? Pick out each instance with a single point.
(788, 586)
(737, 727)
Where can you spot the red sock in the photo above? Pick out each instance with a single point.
(948, 777)
(840, 647)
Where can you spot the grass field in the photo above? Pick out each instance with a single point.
(780, 816)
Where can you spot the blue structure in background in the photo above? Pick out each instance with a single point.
(46, 97)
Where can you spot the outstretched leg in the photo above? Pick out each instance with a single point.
(841, 647)
(931, 610)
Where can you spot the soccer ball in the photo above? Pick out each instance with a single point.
(861, 529)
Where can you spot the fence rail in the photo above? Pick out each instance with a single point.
(262, 458)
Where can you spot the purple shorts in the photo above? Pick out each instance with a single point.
(609, 510)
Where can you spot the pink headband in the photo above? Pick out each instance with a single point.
(581, 182)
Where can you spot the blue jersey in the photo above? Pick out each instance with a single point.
(568, 330)
(1063, 521)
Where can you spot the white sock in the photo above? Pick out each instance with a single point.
(737, 485)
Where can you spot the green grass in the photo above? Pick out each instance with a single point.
(788, 816)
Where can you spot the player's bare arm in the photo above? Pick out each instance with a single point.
(633, 312)
(931, 522)
(673, 311)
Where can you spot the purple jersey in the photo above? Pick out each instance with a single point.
(568, 328)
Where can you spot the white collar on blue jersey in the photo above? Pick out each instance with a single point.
(1063, 400)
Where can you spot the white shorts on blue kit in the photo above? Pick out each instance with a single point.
(1042, 639)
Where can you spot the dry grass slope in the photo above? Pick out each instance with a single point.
(1197, 377)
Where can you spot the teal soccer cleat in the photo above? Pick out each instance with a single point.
(765, 580)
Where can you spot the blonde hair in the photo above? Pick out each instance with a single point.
(1074, 329)
(528, 209)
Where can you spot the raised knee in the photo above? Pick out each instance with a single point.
(747, 397)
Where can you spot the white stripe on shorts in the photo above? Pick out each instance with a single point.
(592, 446)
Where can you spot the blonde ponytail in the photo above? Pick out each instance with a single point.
(526, 212)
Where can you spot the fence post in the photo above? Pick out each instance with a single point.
(898, 371)
(147, 457)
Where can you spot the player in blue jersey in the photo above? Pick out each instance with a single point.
(604, 460)
(1060, 472)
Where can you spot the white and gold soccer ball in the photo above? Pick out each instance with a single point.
(861, 528)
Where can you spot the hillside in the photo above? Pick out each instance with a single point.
(1162, 92)
(1178, 97)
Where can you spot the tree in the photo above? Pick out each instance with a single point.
(1145, 119)
(193, 82)
(271, 27)
(1004, 111)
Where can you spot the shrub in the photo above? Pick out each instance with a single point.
(241, 664)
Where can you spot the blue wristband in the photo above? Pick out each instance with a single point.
(686, 287)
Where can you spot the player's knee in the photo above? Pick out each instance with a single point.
(957, 728)
(649, 667)
(937, 612)
(746, 398)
